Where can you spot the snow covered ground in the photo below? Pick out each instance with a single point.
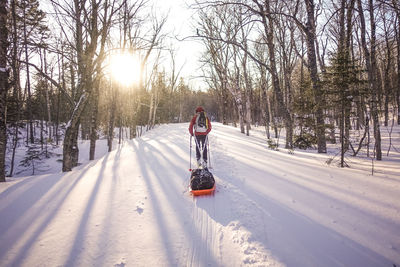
(132, 207)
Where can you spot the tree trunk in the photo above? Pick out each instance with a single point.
(70, 146)
(397, 31)
(111, 124)
(120, 133)
(238, 101)
(16, 81)
(4, 86)
(248, 113)
(132, 131)
(61, 70)
(374, 106)
(48, 104)
(41, 133)
(264, 102)
(156, 102)
(31, 135)
(224, 104)
(398, 75)
(247, 83)
(93, 121)
(313, 68)
(370, 59)
(150, 111)
(387, 90)
(283, 110)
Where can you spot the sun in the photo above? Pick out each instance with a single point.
(125, 68)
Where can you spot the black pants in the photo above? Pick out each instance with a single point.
(201, 143)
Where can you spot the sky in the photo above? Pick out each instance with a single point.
(180, 21)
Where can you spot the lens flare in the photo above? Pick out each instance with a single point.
(125, 68)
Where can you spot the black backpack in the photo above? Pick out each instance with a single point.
(201, 122)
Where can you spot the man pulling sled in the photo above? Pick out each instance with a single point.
(201, 180)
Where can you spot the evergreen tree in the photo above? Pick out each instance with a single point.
(343, 86)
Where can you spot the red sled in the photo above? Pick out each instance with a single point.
(203, 191)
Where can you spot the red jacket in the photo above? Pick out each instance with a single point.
(193, 122)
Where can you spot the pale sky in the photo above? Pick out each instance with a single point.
(188, 51)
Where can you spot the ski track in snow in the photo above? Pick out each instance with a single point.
(132, 207)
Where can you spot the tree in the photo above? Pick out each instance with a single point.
(397, 31)
(263, 87)
(371, 65)
(260, 12)
(309, 30)
(216, 26)
(28, 74)
(90, 25)
(267, 19)
(4, 86)
(16, 96)
(28, 35)
(344, 74)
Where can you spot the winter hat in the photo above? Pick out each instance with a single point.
(199, 109)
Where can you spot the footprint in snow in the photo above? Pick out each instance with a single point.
(139, 210)
(122, 264)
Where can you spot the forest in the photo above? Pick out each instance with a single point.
(319, 70)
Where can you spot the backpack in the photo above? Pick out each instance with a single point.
(201, 125)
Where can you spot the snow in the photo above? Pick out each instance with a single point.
(132, 207)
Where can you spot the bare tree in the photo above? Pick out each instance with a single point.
(263, 84)
(396, 7)
(267, 19)
(234, 87)
(343, 63)
(370, 61)
(217, 56)
(28, 74)
(90, 26)
(261, 10)
(386, 65)
(173, 84)
(15, 66)
(4, 86)
(245, 31)
(309, 30)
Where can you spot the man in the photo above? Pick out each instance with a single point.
(200, 126)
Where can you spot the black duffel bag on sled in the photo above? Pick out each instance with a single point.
(201, 179)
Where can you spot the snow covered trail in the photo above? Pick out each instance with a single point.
(313, 215)
(132, 208)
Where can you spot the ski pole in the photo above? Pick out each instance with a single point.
(209, 154)
(190, 164)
